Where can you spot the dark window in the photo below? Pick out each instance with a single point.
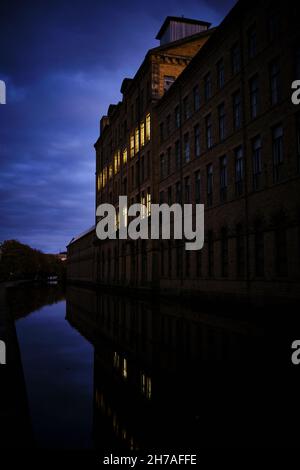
(196, 94)
(207, 86)
(187, 264)
(235, 59)
(274, 26)
(237, 111)
(298, 140)
(168, 81)
(168, 163)
(197, 187)
(161, 131)
(199, 263)
(224, 252)
(186, 147)
(162, 260)
(252, 42)
(209, 185)
(223, 178)
(168, 125)
(197, 141)
(162, 166)
(221, 111)
(186, 108)
(256, 162)
(221, 73)
(178, 192)
(239, 171)
(170, 195)
(277, 147)
(177, 117)
(254, 97)
(297, 63)
(169, 258)
(240, 251)
(187, 190)
(208, 125)
(275, 82)
(177, 154)
(161, 197)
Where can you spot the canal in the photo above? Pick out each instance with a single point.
(112, 373)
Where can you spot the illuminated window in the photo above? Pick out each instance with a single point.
(104, 177)
(137, 140)
(115, 163)
(146, 386)
(143, 202)
(110, 171)
(124, 368)
(142, 134)
(125, 216)
(148, 127)
(132, 146)
(116, 360)
(148, 205)
(124, 156)
(99, 182)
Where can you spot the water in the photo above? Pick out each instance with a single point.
(115, 374)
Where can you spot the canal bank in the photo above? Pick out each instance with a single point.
(14, 414)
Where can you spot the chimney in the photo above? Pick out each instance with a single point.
(175, 28)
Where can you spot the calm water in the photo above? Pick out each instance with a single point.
(113, 373)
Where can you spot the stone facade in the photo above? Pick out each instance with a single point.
(225, 134)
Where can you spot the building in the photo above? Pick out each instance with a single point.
(225, 134)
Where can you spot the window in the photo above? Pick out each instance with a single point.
(137, 140)
(209, 186)
(259, 251)
(187, 264)
(298, 140)
(178, 192)
(196, 94)
(197, 187)
(168, 162)
(277, 148)
(197, 140)
(148, 203)
(252, 42)
(168, 125)
(177, 154)
(237, 111)
(186, 146)
(162, 259)
(224, 252)
(142, 127)
(210, 248)
(187, 190)
(148, 127)
(142, 168)
(235, 59)
(177, 117)
(207, 86)
(254, 97)
(221, 73)
(239, 171)
(297, 64)
(168, 81)
(186, 108)
(170, 195)
(256, 163)
(161, 131)
(169, 258)
(281, 252)
(124, 156)
(221, 111)
(240, 251)
(162, 166)
(132, 146)
(275, 82)
(223, 178)
(208, 125)
(161, 197)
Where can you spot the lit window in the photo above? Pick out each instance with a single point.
(148, 203)
(99, 182)
(137, 140)
(125, 216)
(124, 156)
(124, 368)
(132, 146)
(110, 171)
(142, 134)
(146, 386)
(148, 127)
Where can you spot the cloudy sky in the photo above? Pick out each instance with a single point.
(63, 63)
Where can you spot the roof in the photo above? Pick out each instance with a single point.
(182, 19)
(81, 235)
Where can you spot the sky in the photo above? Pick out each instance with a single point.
(63, 63)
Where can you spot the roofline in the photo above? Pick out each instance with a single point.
(181, 19)
(81, 235)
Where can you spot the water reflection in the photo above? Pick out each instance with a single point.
(168, 377)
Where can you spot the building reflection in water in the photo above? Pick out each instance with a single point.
(169, 377)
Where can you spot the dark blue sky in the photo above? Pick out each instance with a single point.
(63, 63)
